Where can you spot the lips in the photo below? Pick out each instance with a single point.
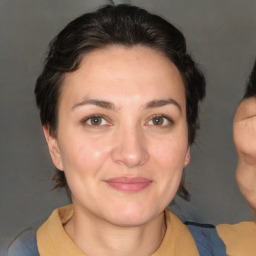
(128, 184)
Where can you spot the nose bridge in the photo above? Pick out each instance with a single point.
(130, 147)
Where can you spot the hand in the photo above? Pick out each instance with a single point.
(244, 130)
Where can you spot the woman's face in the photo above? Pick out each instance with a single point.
(122, 136)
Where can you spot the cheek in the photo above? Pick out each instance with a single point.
(84, 154)
(171, 154)
(169, 159)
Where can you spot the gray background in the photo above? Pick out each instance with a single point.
(220, 34)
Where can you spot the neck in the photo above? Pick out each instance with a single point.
(95, 236)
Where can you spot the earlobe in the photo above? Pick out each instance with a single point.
(53, 148)
(187, 158)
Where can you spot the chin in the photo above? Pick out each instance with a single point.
(128, 221)
(131, 216)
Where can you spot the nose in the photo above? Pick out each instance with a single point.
(130, 148)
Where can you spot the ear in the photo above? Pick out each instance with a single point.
(53, 148)
(187, 158)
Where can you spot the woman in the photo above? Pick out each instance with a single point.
(118, 100)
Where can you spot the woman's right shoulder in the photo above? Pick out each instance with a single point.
(24, 244)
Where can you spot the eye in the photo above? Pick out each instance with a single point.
(95, 121)
(160, 120)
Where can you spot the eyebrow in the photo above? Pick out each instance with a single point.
(99, 103)
(161, 103)
(109, 105)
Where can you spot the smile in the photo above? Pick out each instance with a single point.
(129, 184)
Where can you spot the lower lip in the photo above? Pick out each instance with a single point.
(129, 186)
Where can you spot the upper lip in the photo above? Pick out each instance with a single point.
(128, 180)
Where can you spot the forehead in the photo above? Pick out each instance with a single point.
(124, 72)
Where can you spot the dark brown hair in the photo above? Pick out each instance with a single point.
(124, 25)
(250, 90)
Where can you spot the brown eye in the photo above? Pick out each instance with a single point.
(95, 121)
(158, 120)
(161, 121)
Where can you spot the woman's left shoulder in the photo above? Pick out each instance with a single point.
(240, 238)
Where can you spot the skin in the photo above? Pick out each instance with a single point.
(142, 134)
(244, 130)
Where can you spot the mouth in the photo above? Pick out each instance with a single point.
(128, 184)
